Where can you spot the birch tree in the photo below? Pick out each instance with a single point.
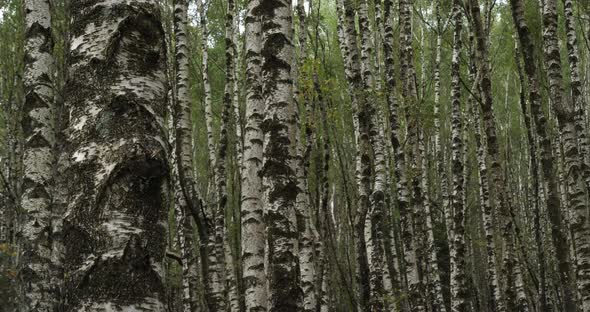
(553, 201)
(458, 274)
(279, 183)
(253, 235)
(114, 158)
(38, 161)
(565, 113)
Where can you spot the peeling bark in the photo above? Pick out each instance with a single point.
(184, 224)
(36, 267)
(115, 158)
(279, 181)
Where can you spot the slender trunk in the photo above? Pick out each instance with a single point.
(207, 85)
(184, 231)
(402, 196)
(437, 303)
(38, 159)
(576, 86)
(510, 272)
(550, 181)
(566, 117)
(459, 292)
(279, 157)
(184, 226)
(360, 120)
(304, 224)
(534, 172)
(253, 236)
(440, 159)
(496, 302)
(117, 170)
(412, 250)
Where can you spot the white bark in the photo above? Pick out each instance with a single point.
(183, 221)
(35, 269)
(459, 291)
(566, 116)
(115, 158)
(253, 235)
(279, 157)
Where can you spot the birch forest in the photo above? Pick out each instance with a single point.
(295, 155)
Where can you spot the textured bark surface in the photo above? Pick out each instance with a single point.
(402, 197)
(495, 301)
(38, 160)
(183, 220)
(115, 158)
(411, 220)
(438, 150)
(206, 84)
(577, 94)
(548, 164)
(510, 272)
(459, 292)
(184, 231)
(305, 227)
(566, 116)
(253, 236)
(354, 74)
(279, 182)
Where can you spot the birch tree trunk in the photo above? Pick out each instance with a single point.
(439, 153)
(547, 159)
(362, 172)
(566, 116)
(253, 236)
(412, 240)
(511, 274)
(115, 158)
(576, 85)
(279, 157)
(496, 302)
(304, 224)
(184, 225)
(38, 160)
(184, 232)
(402, 196)
(206, 84)
(459, 293)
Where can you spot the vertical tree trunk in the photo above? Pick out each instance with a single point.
(402, 196)
(511, 274)
(304, 224)
(279, 157)
(559, 237)
(360, 120)
(439, 154)
(114, 224)
(184, 230)
(534, 172)
(576, 85)
(206, 84)
(437, 303)
(496, 302)
(253, 236)
(184, 226)
(566, 116)
(38, 160)
(459, 293)
(412, 239)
